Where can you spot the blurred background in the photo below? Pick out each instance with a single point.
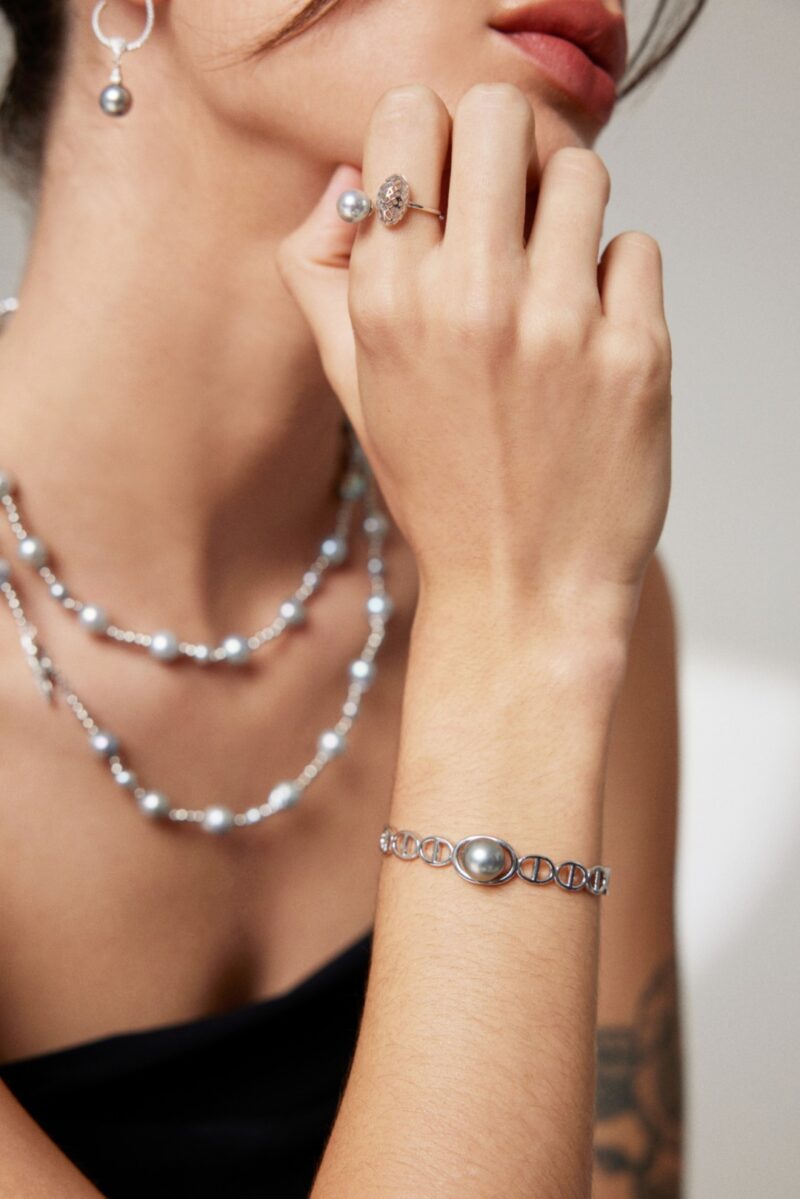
(706, 158)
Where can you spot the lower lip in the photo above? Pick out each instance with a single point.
(571, 71)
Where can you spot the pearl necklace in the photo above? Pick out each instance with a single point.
(105, 745)
(164, 645)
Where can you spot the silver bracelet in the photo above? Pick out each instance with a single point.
(491, 860)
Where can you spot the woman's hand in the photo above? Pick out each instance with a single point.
(513, 399)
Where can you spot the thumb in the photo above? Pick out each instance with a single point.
(313, 261)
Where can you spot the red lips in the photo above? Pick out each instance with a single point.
(579, 44)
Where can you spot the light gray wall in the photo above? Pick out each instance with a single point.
(707, 160)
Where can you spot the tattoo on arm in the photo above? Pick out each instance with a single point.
(639, 1101)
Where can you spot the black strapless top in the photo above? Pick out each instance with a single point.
(233, 1106)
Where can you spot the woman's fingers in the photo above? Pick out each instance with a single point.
(408, 134)
(565, 242)
(631, 281)
(493, 155)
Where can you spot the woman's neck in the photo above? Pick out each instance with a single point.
(161, 398)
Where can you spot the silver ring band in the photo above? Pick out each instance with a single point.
(490, 861)
(391, 204)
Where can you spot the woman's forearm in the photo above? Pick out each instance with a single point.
(474, 1072)
(31, 1165)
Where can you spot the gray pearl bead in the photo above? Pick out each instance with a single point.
(484, 859)
(155, 804)
(353, 205)
(126, 779)
(33, 551)
(59, 591)
(353, 486)
(104, 744)
(237, 651)
(93, 618)
(218, 820)
(334, 548)
(5, 571)
(380, 605)
(164, 646)
(332, 743)
(115, 100)
(293, 612)
(283, 795)
(202, 654)
(363, 672)
(376, 525)
(7, 483)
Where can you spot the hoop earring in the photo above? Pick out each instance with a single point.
(115, 99)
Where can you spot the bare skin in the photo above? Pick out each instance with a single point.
(204, 408)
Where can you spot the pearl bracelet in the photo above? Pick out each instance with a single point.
(491, 860)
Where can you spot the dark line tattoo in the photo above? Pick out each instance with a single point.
(639, 1103)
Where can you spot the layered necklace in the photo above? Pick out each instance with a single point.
(357, 494)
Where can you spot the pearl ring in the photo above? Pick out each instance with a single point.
(391, 203)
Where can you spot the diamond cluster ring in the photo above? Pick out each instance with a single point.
(391, 203)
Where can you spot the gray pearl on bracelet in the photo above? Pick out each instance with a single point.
(93, 618)
(33, 551)
(380, 605)
(218, 820)
(7, 483)
(126, 779)
(5, 571)
(484, 859)
(164, 646)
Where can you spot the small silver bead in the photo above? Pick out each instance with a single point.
(126, 779)
(202, 654)
(218, 819)
(164, 646)
(93, 618)
(7, 483)
(283, 795)
(380, 605)
(376, 525)
(237, 651)
(33, 551)
(293, 612)
(484, 859)
(115, 100)
(155, 804)
(334, 548)
(375, 566)
(59, 591)
(5, 571)
(353, 205)
(331, 743)
(363, 672)
(352, 486)
(104, 744)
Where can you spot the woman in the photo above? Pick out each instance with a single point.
(181, 1013)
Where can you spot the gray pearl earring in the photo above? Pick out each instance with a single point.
(115, 99)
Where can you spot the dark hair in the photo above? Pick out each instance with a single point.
(40, 33)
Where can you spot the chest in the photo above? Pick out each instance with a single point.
(114, 922)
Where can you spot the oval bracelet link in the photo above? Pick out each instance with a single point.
(491, 861)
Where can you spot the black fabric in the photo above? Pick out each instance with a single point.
(233, 1106)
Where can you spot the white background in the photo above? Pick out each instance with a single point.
(707, 159)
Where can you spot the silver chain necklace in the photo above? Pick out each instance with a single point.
(357, 485)
(165, 645)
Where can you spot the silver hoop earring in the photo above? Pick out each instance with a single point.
(115, 99)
